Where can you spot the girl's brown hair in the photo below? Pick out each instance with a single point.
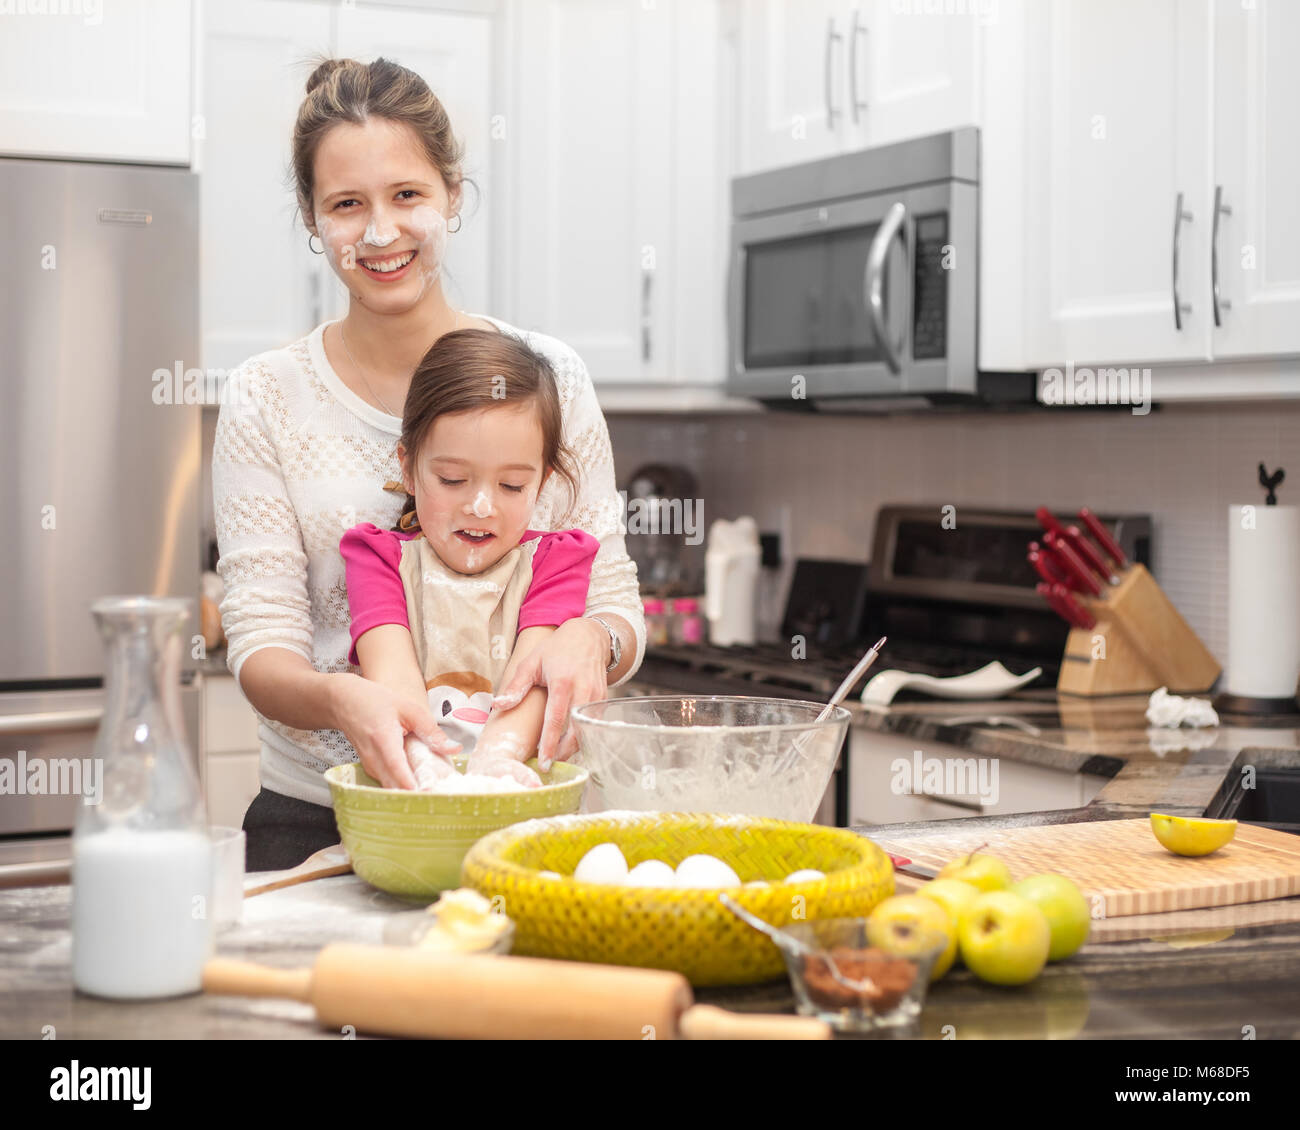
(468, 370)
(345, 90)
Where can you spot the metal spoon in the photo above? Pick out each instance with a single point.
(797, 746)
(794, 945)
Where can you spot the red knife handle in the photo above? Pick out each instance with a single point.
(1048, 521)
(1045, 591)
(1079, 616)
(1085, 549)
(1107, 543)
(1043, 565)
(1063, 604)
(1072, 562)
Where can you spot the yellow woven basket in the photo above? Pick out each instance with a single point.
(665, 928)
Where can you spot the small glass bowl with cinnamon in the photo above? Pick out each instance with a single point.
(856, 986)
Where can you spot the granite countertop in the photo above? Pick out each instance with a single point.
(1178, 771)
(1195, 974)
(1218, 973)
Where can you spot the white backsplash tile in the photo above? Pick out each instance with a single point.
(1183, 465)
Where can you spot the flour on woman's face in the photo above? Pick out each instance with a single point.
(429, 226)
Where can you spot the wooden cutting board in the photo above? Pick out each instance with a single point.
(1121, 862)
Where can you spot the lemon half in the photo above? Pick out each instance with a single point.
(1189, 835)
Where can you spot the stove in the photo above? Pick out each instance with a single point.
(951, 593)
(950, 588)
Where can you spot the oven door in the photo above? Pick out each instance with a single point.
(872, 296)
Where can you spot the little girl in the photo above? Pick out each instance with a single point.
(449, 602)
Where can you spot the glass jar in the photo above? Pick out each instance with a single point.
(656, 623)
(141, 855)
(688, 624)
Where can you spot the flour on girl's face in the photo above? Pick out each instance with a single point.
(482, 507)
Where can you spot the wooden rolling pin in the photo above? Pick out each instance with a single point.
(400, 991)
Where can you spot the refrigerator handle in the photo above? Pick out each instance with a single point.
(51, 721)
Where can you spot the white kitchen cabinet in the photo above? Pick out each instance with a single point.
(231, 755)
(1017, 787)
(1256, 173)
(819, 77)
(1117, 136)
(618, 177)
(921, 70)
(261, 286)
(108, 82)
(794, 79)
(232, 782)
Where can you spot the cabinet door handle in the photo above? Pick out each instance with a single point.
(859, 29)
(1220, 209)
(832, 37)
(647, 282)
(1180, 307)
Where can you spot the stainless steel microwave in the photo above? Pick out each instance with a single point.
(853, 281)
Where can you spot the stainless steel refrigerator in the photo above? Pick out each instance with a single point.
(100, 465)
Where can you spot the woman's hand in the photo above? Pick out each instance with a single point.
(376, 722)
(570, 664)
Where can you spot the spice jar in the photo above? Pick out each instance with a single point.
(688, 624)
(656, 623)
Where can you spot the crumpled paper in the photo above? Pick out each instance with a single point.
(1170, 710)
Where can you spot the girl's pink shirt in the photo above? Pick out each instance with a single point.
(371, 556)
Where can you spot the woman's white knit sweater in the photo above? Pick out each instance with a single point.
(298, 459)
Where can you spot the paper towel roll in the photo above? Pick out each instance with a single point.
(1263, 601)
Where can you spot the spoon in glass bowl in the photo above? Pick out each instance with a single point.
(795, 946)
(797, 746)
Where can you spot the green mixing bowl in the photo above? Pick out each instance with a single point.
(412, 844)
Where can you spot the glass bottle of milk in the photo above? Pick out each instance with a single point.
(141, 857)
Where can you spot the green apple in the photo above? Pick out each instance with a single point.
(986, 872)
(900, 922)
(1065, 908)
(1004, 938)
(954, 895)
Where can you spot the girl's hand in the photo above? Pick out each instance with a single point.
(376, 721)
(570, 664)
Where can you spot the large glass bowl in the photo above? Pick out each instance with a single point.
(722, 753)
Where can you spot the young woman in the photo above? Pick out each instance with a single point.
(379, 185)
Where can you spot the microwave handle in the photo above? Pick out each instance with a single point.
(873, 283)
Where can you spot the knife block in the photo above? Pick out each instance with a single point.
(1147, 644)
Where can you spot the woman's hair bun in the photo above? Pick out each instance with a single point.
(326, 68)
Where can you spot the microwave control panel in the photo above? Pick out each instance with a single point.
(930, 297)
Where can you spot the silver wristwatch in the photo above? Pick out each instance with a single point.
(615, 644)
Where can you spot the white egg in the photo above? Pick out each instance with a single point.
(602, 864)
(807, 875)
(705, 871)
(550, 875)
(651, 873)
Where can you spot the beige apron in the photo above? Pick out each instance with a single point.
(464, 629)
